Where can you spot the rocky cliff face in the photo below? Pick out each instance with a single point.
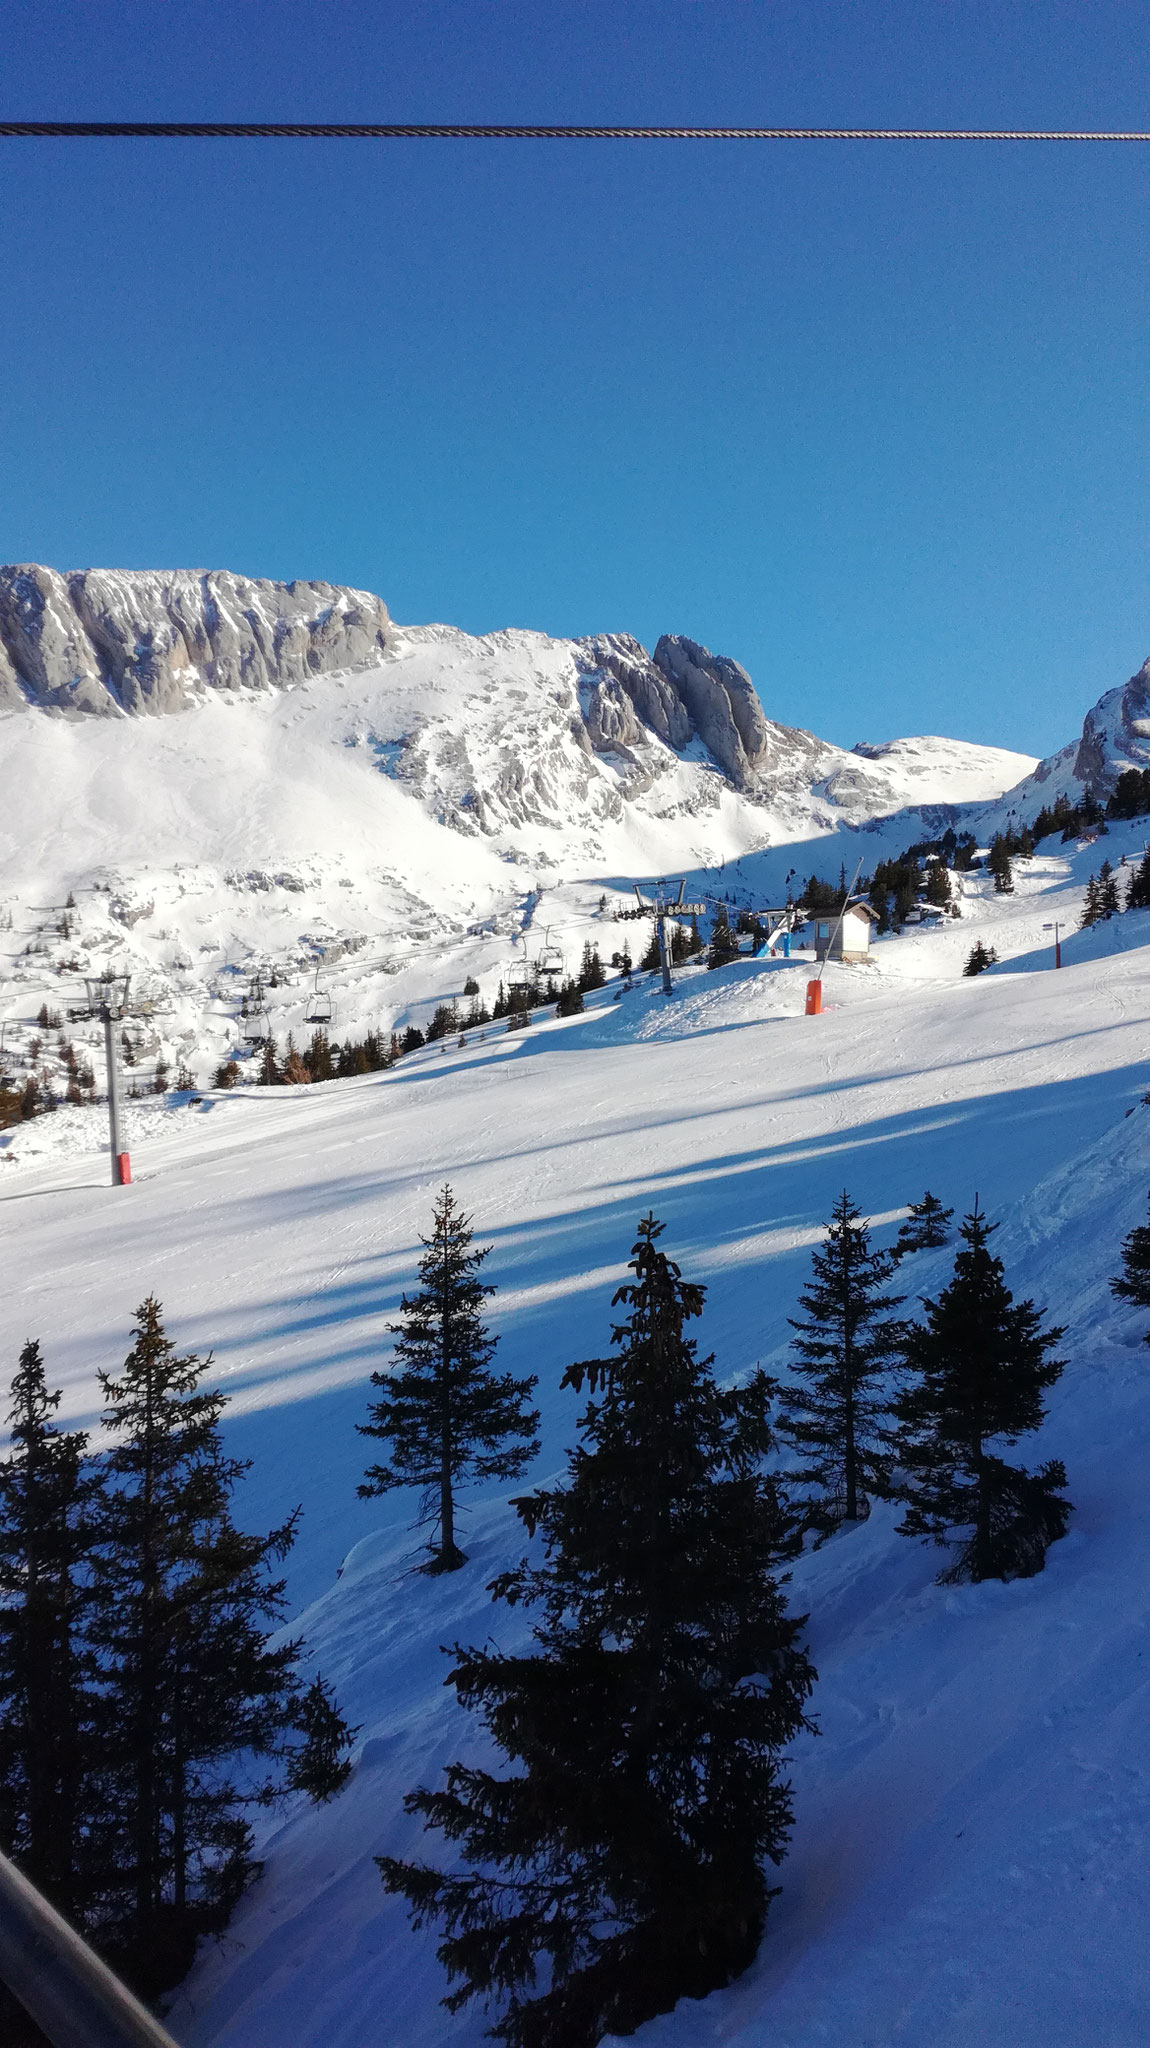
(103, 642)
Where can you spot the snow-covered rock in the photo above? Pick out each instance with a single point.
(103, 640)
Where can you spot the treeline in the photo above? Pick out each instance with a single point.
(143, 1707)
(1101, 900)
(618, 1864)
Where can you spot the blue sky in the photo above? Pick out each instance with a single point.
(871, 418)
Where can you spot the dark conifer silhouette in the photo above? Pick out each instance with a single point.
(979, 958)
(321, 1765)
(1133, 1283)
(184, 1606)
(984, 1364)
(620, 1867)
(926, 1229)
(839, 1418)
(447, 1418)
(49, 1709)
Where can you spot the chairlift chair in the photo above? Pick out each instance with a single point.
(319, 1004)
(519, 974)
(552, 960)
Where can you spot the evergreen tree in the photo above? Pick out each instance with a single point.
(937, 885)
(983, 1364)
(1107, 891)
(1133, 1283)
(591, 973)
(270, 1075)
(880, 902)
(184, 1605)
(445, 1415)
(979, 958)
(998, 861)
(925, 1229)
(724, 946)
(49, 1709)
(321, 1766)
(647, 1727)
(838, 1419)
(651, 960)
(1091, 904)
(1138, 887)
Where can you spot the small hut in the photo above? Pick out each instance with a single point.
(846, 938)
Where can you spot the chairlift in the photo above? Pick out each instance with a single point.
(552, 960)
(519, 974)
(319, 1004)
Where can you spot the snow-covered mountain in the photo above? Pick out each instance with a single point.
(1115, 736)
(403, 805)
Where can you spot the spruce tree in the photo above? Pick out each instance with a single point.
(1138, 887)
(983, 1363)
(838, 1419)
(979, 958)
(926, 1229)
(724, 946)
(49, 1707)
(1133, 1283)
(185, 1603)
(621, 1866)
(447, 1418)
(1091, 904)
(321, 1765)
(1108, 903)
(998, 861)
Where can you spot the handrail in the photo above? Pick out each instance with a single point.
(72, 1996)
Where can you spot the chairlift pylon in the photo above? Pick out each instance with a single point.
(257, 1024)
(319, 1004)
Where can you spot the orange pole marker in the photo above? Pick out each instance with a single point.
(814, 999)
(123, 1170)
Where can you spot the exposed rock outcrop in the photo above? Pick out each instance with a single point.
(104, 641)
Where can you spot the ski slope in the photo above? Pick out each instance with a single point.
(968, 1863)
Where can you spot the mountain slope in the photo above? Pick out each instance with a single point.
(968, 1866)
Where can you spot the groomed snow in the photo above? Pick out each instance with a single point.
(969, 1858)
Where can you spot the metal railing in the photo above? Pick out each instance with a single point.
(61, 1983)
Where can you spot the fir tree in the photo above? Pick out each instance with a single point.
(998, 861)
(49, 1709)
(321, 1766)
(979, 958)
(1133, 1283)
(647, 1727)
(925, 1229)
(1138, 887)
(724, 946)
(652, 959)
(447, 1418)
(983, 1364)
(1108, 903)
(591, 975)
(838, 1419)
(184, 1607)
(1091, 904)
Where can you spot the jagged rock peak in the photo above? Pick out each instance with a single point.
(1115, 735)
(108, 641)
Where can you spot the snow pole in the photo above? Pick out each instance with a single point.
(815, 987)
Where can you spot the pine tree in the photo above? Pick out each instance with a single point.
(1138, 887)
(184, 1607)
(1091, 904)
(49, 1708)
(998, 861)
(1133, 1283)
(925, 1229)
(447, 1418)
(724, 946)
(321, 1767)
(838, 1419)
(979, 958)
(983, 1364)
(647, 1727)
